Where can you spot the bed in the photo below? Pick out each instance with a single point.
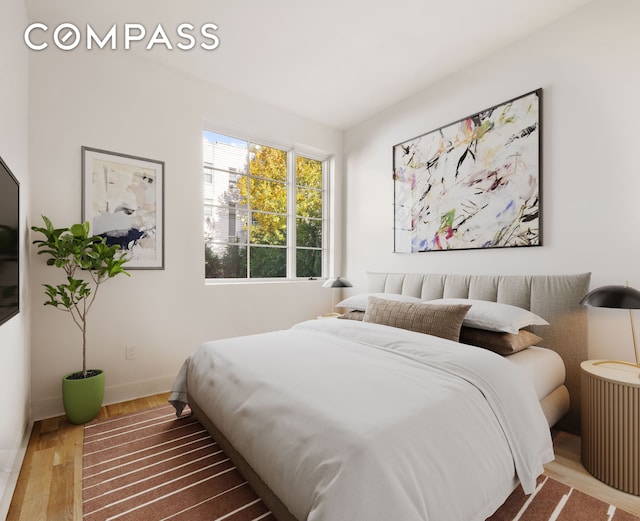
(346, 419)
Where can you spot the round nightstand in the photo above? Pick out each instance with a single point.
(611, 423)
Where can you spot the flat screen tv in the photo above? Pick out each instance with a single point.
(9, 240)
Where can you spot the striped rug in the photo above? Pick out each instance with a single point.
(151, 466)
(553, 501)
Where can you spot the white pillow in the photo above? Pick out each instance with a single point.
(359, 302)
(495, 316)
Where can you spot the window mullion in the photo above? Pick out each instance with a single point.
(325, 219)
(291, 214)
(249, 211)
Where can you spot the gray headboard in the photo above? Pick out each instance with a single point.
(556, 298)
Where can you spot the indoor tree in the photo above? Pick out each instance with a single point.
(87, 262)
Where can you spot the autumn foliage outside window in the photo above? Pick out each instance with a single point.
(264, 211)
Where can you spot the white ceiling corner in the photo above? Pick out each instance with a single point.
(336, 62)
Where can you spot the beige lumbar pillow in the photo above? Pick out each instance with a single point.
(439, 320)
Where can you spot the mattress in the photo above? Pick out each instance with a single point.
(546, 371)
(543, 367)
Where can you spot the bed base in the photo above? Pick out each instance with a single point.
(278, 509)
(556, 405)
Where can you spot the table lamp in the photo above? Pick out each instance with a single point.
(620, 297)
(336, 282)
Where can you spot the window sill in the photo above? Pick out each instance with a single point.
(233, 282)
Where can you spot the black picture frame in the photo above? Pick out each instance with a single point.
(475, 183)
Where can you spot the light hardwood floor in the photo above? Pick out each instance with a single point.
(568, 469)
(50, 483)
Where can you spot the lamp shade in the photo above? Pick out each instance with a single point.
(337, 282)
(622, 297)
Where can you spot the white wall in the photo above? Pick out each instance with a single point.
(14, 335)
(116, 102)
(586, 65)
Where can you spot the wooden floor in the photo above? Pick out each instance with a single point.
(567, 469)
(50, 483)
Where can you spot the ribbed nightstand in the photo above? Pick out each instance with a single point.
(611, 424)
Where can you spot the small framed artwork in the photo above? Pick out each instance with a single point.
(123, 200)
(475, 183)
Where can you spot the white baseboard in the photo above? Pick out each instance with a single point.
(122, 393)
(51, 407)
(9, 476)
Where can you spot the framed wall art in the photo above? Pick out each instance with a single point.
(123, 200)
(475, 183)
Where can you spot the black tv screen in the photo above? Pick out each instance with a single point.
(9, 240)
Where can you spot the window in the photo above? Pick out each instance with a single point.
(264, 211)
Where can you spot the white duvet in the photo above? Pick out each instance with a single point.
(353, 421)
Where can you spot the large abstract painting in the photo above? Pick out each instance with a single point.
(123, 200)
(472, 184)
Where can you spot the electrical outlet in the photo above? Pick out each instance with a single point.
(130, 353)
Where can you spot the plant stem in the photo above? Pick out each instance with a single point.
(84, 345)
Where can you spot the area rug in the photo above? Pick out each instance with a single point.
(153, 466)
(554, 501)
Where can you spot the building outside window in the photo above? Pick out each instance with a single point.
(264, 211)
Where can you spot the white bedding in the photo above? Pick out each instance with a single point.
(346, 420)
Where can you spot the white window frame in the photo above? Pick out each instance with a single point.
(291, 184)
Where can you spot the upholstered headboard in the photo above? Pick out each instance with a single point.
(556, 298)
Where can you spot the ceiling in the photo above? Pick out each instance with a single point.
(337, 62)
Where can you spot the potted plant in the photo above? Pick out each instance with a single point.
(87, 262)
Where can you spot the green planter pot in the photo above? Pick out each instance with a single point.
(83, 397)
